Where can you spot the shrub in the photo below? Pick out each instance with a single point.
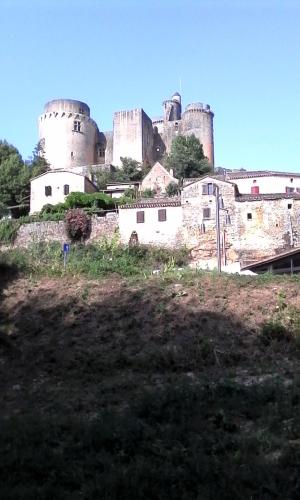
(88, 200)
(172, 189)
(53, 209)
(148, 193)
(8, 230)
(274, 330)
(78, 224)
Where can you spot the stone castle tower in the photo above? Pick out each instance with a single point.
(70, 138)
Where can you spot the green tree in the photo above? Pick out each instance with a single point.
(186, 157)
(14, 181)
(132, 170)
(172, 189)
(38, 164)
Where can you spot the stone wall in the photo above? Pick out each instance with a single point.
(37, 232)
(259, 226)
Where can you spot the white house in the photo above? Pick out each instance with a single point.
(154, 222)
(265, 182)
(53, 186)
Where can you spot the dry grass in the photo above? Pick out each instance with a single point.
(158, 388)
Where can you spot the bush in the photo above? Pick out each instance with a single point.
(8, 230)
(89, 200)
(274, 330)
(172, 189)
(78, 224)
(53, 209)
(148, 193)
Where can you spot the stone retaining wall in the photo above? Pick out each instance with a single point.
(47, 231)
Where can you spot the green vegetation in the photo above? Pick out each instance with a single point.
(131, 170)
(172, 189)
(15, 175)
(186, 158)
(148, 193)
(8, 230)
(94, 260)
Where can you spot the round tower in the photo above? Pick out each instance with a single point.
(197, 119)
(172, 108)
(176, 100)
(67, 134)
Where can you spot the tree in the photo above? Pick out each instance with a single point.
(38, 164)
(132, 170)
(14, 181)
(172, 189)
(187, 158)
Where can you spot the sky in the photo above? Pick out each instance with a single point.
(240, 57)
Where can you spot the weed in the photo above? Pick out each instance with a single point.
(85, 293)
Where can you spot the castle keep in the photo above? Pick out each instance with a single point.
(70, 138)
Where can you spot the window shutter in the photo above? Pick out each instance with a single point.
(140, 217)
(206, 213)
(205, 189)
(210, 188)
(162, 215)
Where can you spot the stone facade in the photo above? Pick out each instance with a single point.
(158, 179)
(37, 232)
(260, 225)
(69, 137)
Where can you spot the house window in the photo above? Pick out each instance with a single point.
(249, 216)
(289, 206)
(66, 189)
(289, 190)
(254, 181)
(291, 179)
(72, 154)
(76, 127)
(48, 191)
(140, 217)
(176, 127)
(208, 188)
(162, 215)
(206, 213)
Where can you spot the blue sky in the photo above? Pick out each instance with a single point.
(241, 57)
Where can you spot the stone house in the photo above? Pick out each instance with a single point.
(158, 179)
(252, 227)
(53, 187)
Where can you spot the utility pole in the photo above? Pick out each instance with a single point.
(218, 230)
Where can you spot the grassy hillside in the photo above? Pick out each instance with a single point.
(181, 386)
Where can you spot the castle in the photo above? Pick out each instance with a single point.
(70, 138)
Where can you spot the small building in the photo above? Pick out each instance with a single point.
(53, 186)
(158, 179)
(282, 263)
(265, 182)
(118, 189)
(154, 222)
